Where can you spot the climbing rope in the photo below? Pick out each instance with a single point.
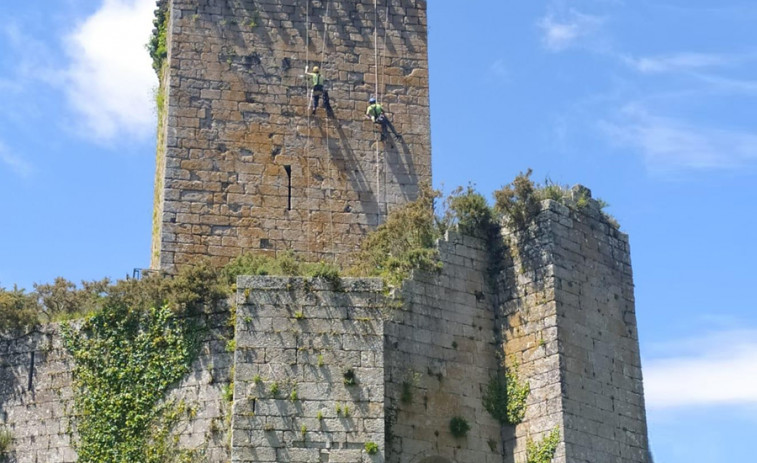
(382, 87)
(328, 140)
(376, 83)
(307, 141)
(380, 160)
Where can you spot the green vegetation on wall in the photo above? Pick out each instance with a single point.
(519, 202)
(543, 451)
(125, 360)
(505, 398)
(371, 448)
(459, 427)
(133, 340)
(158, 44)
(403, 243)
(6, 439)
(285, 264)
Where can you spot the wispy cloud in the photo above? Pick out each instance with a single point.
(31, 61)
(728, 85)
(563, 29)
(105, 72)
(499, 70)
(719, 368)
(685, 61)
(14, 163)
(110, 80)
(672, 144)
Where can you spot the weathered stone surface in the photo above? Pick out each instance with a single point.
(244, 154)
(569, 323)
(558, 303)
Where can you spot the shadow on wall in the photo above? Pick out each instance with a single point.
(400, 162)
(341, 154)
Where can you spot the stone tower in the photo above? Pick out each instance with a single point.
(305, 370)
(242, 164)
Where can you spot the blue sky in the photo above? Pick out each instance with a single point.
(651, 104)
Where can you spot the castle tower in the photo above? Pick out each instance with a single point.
(242, 164)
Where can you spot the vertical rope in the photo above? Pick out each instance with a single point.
(307, 141)
(328, 142)
(376, 82)
(382, 87)
(375, 44)
(325, 32)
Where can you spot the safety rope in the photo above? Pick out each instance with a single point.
(375, 46)
(307, 141)
(382, 87)
(376, 82)
(328, 141)
(379, 85)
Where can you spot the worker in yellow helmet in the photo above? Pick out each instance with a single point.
(375, 112)
(318, 90)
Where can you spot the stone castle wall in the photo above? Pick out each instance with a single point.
(309, 371)
(36, 396)
(36, 399)
(569, 323)
(441, 352)
(244, 167)
(557, 304)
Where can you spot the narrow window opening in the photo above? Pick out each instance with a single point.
(253, 405)
(31, 371)
(288, 170)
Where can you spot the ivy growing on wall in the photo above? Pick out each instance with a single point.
(505, 398)
(125, 361)
(543, 451)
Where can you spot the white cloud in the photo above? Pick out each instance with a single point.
(716, 369)
(671, 144)
(110, 80)
(17, 165)
(684, 62)
(563, 30)
(728, 85)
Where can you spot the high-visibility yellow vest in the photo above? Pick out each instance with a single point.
(375, 110)
(317, 80)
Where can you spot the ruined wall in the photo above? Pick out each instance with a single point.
(246, 167)
(441, 352)
(36, 395)
(39, 418)
(309, 370)
(598, 340)
(557, 305)
(570, 325)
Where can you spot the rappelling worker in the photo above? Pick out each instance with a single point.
(375, 112)
(318, 90)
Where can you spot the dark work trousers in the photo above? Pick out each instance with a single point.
(318, 91)
(386, 126)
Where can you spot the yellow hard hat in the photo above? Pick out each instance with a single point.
(316, 69)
